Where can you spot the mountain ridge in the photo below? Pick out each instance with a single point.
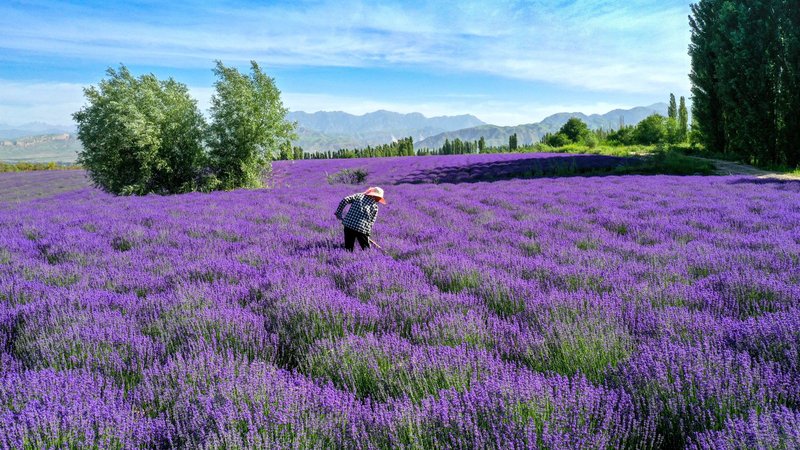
(331, 130)
(527, 134)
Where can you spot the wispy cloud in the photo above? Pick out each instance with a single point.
(632, 47)
(54, 103)
(487, 109)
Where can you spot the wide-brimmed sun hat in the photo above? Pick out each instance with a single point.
(376, 192)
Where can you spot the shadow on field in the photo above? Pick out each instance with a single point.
(533, 167)
(783, 184)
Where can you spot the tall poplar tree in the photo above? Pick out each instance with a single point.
(683, 120)
(672, 110)
(512, 142)
(746, 78)
(788, 62)
(706, 107)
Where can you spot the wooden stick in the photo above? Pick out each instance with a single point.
(379, 247)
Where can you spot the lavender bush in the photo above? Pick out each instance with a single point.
(506, 312)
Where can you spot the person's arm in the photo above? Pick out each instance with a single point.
(345, 201)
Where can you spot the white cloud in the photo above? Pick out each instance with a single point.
(53, 103)
(503, 113)
(635, 47)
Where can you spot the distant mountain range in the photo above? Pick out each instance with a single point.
(335, 130)
(59, 147)
(32, 129)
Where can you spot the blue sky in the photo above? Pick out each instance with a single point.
(507, 62)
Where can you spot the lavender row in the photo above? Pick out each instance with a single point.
(608, 312)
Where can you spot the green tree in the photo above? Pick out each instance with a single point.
(672, 130)
(248, 126)
(624, 135)
(556, 140)
(652, 130)
(575, 130)
(286, 152)
(672, 109)
(512, 142)
(481, 144)
(788, 65)
(591, 140)
(683, 121)
(140, 135)
(746, 78)
(706, 103)
(446, 147)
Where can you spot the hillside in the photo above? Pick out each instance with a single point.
(61, 147)
(532, 133)
(9, 132)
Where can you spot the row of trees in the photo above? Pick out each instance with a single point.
(746, 79)
(144, 135)
(459, 147)
(401, 147)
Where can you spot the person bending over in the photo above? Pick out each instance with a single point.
(360, 217)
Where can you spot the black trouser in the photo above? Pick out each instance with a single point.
(350, 237)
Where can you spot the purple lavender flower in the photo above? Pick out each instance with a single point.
(600, 312)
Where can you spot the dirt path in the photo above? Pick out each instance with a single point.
(731, 168)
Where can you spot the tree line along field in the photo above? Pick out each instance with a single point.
(578, 312)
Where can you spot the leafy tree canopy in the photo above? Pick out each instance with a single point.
(140, 135)
(248, 126)
(575, 129)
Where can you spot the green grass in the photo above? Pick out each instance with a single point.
(625, 151)
(371, 370)
(531, 248)
(667, 160)
(688, 150)
(579, 343)
(782, 169)
(455, 282)
(35, 166)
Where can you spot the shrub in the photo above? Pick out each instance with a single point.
(557, 140)
(348, 176)
(575, 129)
(651, 130)
(623, 136)
(32, 166)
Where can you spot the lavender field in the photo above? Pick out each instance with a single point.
(576, 312)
